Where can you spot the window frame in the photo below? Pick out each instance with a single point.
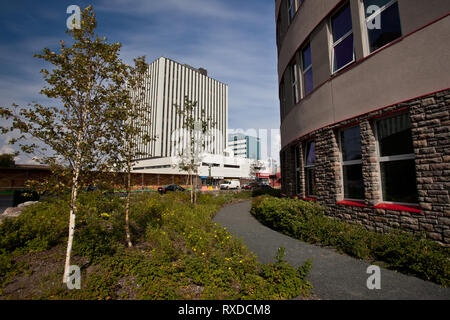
(298, 169)
(282, 94)
(349, 163)
(305, 70)
(296, 94)
(337, 42)
(291, 7)
(380, 160)
(295, 5)
(366, 38)
(307, 167)
(279, 31)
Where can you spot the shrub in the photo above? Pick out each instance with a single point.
(179, 253)
(38, 228)
(402, 251)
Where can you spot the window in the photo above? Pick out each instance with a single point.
(231, 166)
(383, 24)
(298, 178)
(310, 162)
(291, 10)
(279, 32)
(350, 141)
(396, 157)
(343, 50)
(307, 70)
(282, 99)
(294, 81)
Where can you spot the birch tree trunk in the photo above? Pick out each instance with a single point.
(195, 184)
(73, 210)
(127, 207)
(77, 169)
(191, 183)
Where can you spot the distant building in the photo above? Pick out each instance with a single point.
(167, 84)
(244, 146)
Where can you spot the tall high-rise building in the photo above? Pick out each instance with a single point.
(167, 84)
(365, 110)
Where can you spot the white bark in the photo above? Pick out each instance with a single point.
(127, 208)
(77, 169)
(73, 210)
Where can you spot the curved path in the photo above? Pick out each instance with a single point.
(333, 275)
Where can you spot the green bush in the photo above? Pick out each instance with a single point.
(402, 251)
(178, 253)
(192, 258)
(38, 228)
(6, 263)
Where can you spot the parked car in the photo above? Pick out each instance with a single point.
(21, 196)
(262, 186)
(91, 188)
(171, 187)
(247, 186)
(230, 185)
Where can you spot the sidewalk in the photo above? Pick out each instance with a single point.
(334, 276)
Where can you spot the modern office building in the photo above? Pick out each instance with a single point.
(364, 104)
(244, 146)
(167, 84)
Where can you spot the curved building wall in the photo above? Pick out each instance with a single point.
(395, 94)
(414, 66)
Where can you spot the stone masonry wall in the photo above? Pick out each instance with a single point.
(430, 119)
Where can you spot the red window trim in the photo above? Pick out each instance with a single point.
(352, 203)
(398, 207)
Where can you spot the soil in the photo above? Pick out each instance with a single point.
(41, 276)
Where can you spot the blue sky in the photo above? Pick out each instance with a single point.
(234, 40)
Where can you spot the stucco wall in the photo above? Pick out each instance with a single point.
(412, 67)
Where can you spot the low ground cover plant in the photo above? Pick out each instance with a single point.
(400, 250)
(178, 253)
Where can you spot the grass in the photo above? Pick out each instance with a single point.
(399, 250)
(178, 253)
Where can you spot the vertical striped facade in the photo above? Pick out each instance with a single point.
(167, 83)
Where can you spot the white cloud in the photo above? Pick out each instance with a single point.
(6, 149)
(197, 8)
(235, 43)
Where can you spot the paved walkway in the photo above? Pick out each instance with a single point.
(333, 275)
